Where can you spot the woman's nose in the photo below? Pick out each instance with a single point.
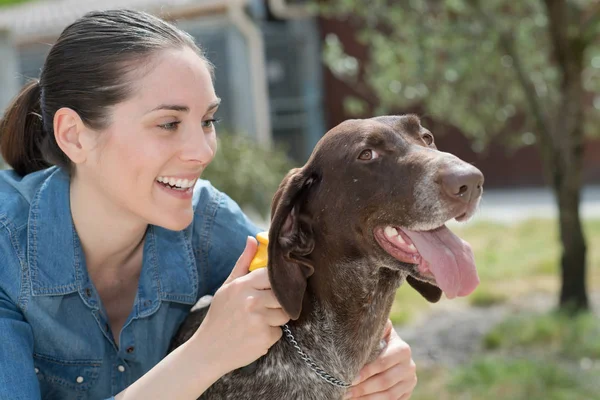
(198, 147)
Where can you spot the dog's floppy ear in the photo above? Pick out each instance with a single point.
(431, 292)
(290, 241)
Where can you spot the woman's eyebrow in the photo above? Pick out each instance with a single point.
(182, 108)
(213, 105)
(172, 107)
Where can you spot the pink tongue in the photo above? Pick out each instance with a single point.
(449, 258)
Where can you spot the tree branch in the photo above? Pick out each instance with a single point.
(508, 44)
(569, 47)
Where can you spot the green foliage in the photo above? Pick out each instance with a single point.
(449, 57)
(11, 2)
(555, 333)
(247, 172)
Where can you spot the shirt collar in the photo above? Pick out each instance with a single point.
(57, 263)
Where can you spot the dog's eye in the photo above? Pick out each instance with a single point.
(368, 154)
(428, 138)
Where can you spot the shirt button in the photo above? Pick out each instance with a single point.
(121, 368)
(130, 349)
(37, 371)
(88, 292)
(80, 379)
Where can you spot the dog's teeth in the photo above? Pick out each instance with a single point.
(412, 247)
(390, 232)
(400, 239)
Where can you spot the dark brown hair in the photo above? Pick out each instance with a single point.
(91, 67)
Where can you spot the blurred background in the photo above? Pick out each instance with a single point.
(510, 86)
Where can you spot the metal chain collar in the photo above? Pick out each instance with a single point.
(311, 364)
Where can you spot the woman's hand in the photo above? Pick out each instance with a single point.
(244, 317)
(391, 376)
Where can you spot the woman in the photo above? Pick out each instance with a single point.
(108, 236)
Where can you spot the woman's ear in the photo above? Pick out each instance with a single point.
(71, 135)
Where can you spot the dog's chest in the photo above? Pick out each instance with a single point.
(281, 374)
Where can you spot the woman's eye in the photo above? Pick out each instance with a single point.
(368, 154)
(170, 126)
(209, 123)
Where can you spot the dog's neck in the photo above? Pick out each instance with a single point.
(344, 316)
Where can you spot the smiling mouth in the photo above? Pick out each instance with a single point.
(441, 258)
(177, 183)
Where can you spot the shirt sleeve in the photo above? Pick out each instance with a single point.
(223, 239)
(17, 374)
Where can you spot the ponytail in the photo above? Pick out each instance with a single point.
(21, 131)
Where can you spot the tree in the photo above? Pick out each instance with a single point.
(483, 66)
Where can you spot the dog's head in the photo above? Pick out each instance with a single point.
(375, 189)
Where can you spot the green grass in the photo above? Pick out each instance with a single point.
(495, 377)
(498, 378)
(555, 333)
(484, 296)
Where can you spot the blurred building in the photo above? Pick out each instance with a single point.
(266, 53)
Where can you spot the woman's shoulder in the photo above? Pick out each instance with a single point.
(17, 192)
(217, 214)
(16, 195)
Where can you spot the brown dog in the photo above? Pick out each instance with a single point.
(366, 212)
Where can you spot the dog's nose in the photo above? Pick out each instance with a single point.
(462, 182)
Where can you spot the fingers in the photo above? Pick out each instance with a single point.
(391, 376)
(401, 391)
(386, 361)
(265, 304)
(241, 266)
(396, 382)
(396, 352)
(276, 334)
(276, 317)
(266, 299)
(259, 279)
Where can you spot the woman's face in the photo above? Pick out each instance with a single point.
(158, 143)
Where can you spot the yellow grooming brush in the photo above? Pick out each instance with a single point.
(260, 259)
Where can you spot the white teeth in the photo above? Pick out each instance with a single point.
(399, 239)
(390, 232)
(180, 183)
(393, 234)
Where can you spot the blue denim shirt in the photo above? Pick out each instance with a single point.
(56, 342)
